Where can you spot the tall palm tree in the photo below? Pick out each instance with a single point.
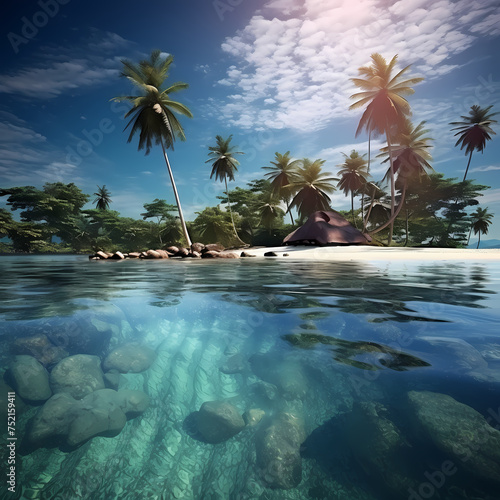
(474, 131)
(224, 165)
(103, 198)
(281, 175)
(481, 221)
(153, 112)
(385, 107)
(312, 186)
(411, 157)
(354, 176)
(269, 210)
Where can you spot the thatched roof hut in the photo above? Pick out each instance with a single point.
(327, 228)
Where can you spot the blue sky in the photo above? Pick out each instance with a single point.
(273, 73)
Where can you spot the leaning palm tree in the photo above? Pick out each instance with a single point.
(223, 167)
(281, 175)
(385, 107)
(312, 187)
(411, 157)
(153, 112)
(353, 176)
(474, 131)
(481, 221)
(103, 198)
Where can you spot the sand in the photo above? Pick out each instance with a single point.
(369, 253)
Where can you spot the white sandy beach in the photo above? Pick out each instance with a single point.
(369, 253)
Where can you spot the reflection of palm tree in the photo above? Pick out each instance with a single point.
(354, 175)
(312, 187)
(386, 108)
(224, 165)
(481, 221)
(103, 198)
(281, 177)
(153, 113)
(474, 131)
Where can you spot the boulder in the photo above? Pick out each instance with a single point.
(218, 421)
(270, 254)
(77, 375)
(101, 255)
(163, 254)
(130, 358)
(253, 416)
(117, 256)
(459, 431)
(217, 247)
(194, 255)
(183, 252)
(112, 379)
(246, 254)
(265, 390)
(152, 254)
(54, 418)
(197, 247)
(30, 378)
(278, 451)
(228, 255)
(134, 255)
(40, 347)
(172, 249)
(99, 414)
(211, 254)
(132, 403)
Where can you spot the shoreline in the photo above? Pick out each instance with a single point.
(371, 253)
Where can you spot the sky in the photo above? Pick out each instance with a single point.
(273, 73)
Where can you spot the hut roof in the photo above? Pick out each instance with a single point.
(327, 228)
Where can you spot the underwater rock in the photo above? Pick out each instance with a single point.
(218, 421)
(4, 401)
(286, 375)
(54, 418)
(132, 402)
(30, 378)
(265, 390)
(128, 358)
(40, 348)
(77, 375)
(253, 416)
(459, 431)
(278, 451)
(98, 414)
(112, 379)
(103, 412)
(234, 364)
(377, 445)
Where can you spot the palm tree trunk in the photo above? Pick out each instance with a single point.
(393, 189)
(352, 208)
(407, 229)
(468, 165)
(396, 213)
(231, 212)
(290, 212)
(479, 239)
(176, 194)
(470, 231)
(365, 221)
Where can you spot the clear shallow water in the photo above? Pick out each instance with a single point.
(355, 353)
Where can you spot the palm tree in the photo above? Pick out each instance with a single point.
(223, 167)
(354, 176)
(269, 210)
(386, 108)
(474, 131)
(481, 220)
(312, 187)
(103, 198)
(281, 175)
(411, 157)
(153, 113)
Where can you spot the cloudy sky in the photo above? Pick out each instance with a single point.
(275, 74)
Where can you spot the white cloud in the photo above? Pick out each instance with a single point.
(488, 168)
(292, 69)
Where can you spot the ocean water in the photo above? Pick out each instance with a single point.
(356, 380)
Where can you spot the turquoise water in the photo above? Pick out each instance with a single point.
(372, 381)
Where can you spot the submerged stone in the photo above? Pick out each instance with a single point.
(253, 416)
(77, 375)
(130, 358)
(40, 348)
(278, 451)
(459, 431)
(30, 378)
(218, 421)
(234, 364)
